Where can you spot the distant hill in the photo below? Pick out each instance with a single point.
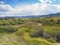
(51, 15)
(32, 16)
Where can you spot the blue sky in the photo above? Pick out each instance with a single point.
(28, 7)
(14, 2)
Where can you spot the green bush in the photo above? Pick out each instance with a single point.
(37, 33)
(7, 29)
(51, 40)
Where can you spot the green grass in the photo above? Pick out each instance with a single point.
(8, 39)
(51, 29)
(25, 36)
(24, 27)
(12, 39)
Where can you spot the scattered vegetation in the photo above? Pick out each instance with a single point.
(30, 31)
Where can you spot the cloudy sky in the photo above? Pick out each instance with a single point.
(28, 7)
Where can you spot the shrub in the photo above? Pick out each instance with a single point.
(7, 29)
(51, 40)
(37, 33)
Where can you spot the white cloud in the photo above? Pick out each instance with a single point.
(36, 9)
(4, 8)
(47, 1)
(33, 9)
(1, 2)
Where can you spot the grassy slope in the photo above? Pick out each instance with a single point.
(25, 39)
(12, 39)
(21, 38)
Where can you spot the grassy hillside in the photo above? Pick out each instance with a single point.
(30, 31)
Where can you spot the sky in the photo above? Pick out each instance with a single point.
(28, 7)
